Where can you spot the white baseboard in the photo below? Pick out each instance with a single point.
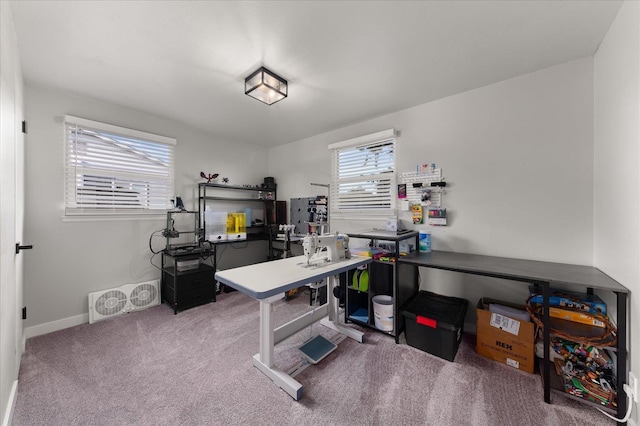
(52, 326)
(11, 404)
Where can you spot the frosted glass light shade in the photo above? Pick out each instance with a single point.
(265, 86)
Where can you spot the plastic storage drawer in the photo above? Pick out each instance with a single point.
(434, 323)
(192, 288)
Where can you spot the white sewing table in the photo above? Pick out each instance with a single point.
(267, 282)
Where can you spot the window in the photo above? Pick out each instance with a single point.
(363, 176)
(113, 171)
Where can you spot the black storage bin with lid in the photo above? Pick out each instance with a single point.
(434, 323)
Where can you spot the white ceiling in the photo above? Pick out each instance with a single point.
(346, 61)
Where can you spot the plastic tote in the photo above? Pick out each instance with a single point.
(433, 323)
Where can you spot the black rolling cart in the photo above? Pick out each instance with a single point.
(186, 280)
(186, 288)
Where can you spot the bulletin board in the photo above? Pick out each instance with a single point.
(415, 194)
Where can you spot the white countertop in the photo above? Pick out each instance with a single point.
(266, 279)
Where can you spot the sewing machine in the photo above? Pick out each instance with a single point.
(321, 249)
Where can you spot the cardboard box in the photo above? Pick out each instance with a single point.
(576, 316)
(572, 300)
(504, 339)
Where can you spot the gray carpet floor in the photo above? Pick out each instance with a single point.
(195, 368)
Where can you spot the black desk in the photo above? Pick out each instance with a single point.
(542, 274)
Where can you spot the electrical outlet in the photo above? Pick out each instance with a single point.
(633, 386)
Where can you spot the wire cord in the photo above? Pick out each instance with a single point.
(627, 390)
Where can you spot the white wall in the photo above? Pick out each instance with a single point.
(518, 159)
(617, 156)
(72, 259)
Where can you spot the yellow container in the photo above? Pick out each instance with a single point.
(236, 226)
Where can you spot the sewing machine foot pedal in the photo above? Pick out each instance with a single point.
(316, 349)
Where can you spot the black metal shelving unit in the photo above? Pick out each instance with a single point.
(247, 196)
(383, 280)
(182, 289)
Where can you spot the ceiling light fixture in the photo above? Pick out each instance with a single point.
(265, 86)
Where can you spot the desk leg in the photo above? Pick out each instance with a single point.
(621, 303)
(264, 360)
(546, 369)
(334, 313)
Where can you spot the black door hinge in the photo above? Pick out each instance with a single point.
(24, 126)
(24, 313)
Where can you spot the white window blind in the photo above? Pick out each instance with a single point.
(112, 170)
(363, 176)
